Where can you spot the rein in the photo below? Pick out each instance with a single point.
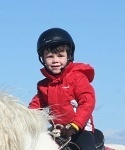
(64, 144)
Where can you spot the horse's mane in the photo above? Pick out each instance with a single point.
(16, 120)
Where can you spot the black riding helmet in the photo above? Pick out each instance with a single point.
(55, 36)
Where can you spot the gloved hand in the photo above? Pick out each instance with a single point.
(68, 131)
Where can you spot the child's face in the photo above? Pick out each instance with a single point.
(54, 62)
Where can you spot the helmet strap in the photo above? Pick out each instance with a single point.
(68, 61)
(41, 61)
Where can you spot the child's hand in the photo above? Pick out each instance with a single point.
(68, 131)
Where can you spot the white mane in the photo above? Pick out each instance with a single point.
(22, 128)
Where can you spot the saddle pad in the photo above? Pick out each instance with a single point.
(108, 148)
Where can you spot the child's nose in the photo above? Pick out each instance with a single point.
(55, 59)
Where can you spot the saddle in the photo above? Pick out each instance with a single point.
(67, 144)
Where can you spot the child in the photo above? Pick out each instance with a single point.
(66, 88)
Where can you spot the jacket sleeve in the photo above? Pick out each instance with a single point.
(37, 101)
(85, 96)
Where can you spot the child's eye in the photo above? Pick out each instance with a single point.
(60, 55)
(49, 56)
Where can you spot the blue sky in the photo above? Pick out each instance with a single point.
(98, 30)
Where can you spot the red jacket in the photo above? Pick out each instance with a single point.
(58, 92)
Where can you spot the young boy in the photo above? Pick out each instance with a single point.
(66, 88)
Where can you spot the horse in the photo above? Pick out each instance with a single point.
(22, 128)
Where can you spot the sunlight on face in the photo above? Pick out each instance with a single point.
(54, 62)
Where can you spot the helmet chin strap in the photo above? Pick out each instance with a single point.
(68, 60)
(41, 61)
(62, 68)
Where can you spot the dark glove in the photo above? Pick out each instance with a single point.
(68, 131)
